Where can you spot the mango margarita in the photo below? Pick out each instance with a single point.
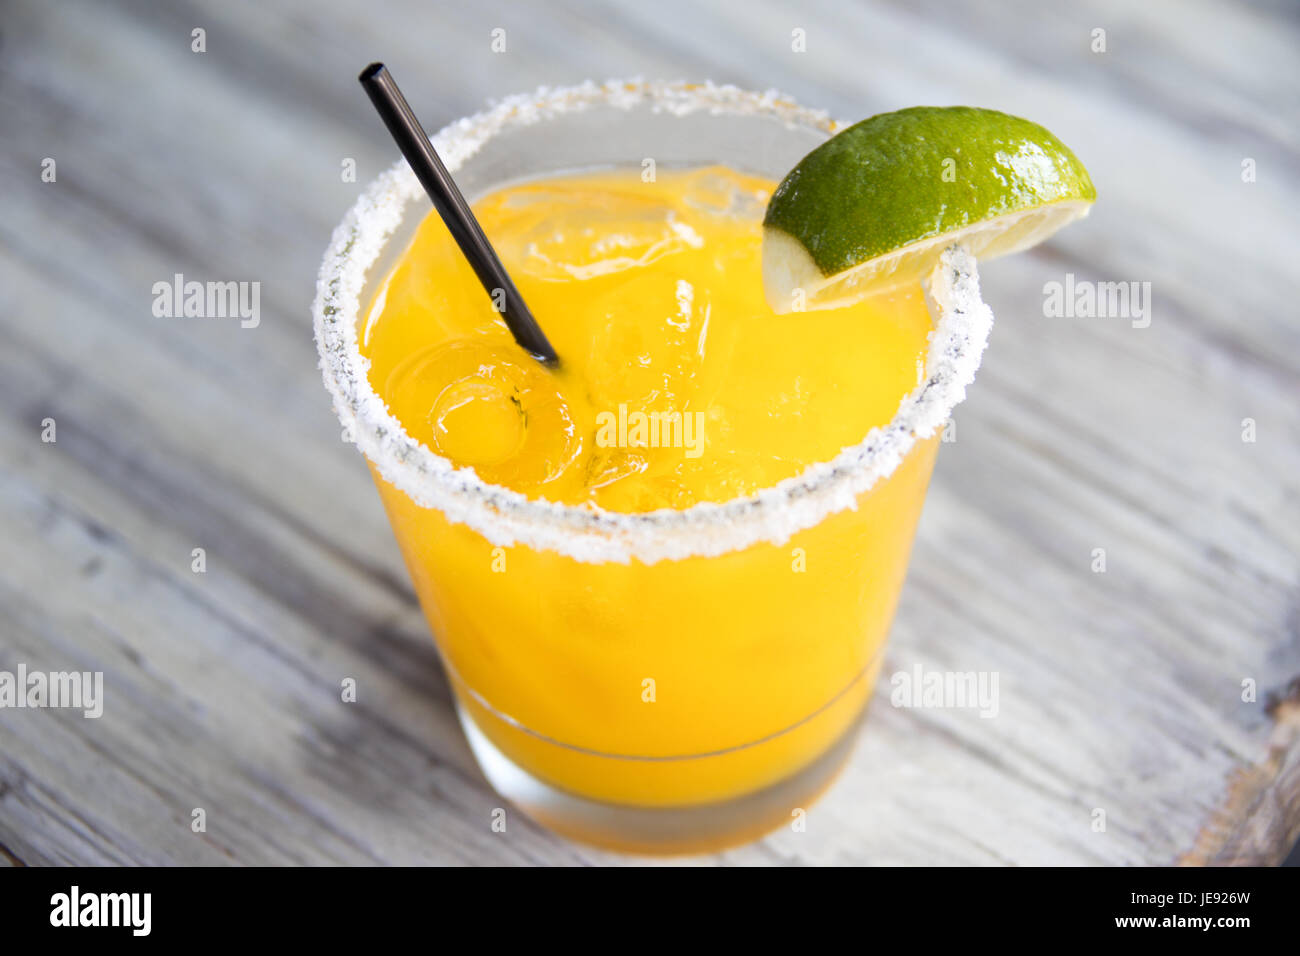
(679, 682)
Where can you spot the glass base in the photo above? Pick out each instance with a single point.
(654, 830)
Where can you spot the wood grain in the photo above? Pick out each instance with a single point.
(1120, 691)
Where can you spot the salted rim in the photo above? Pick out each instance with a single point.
(590, 533)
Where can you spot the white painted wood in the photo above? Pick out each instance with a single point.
(1119, 691)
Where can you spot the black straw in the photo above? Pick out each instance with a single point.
(453, 209)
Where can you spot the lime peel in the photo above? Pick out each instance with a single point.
(872, 208)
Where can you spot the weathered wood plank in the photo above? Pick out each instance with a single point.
(1120, 691)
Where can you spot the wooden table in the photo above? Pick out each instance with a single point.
(1121, 691)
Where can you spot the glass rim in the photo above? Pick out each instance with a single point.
(588, 532)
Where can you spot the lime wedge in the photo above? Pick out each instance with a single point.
(872, 207)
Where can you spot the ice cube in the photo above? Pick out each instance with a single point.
(718, 192)
(584, 234)
(488, 407)
(608, 465)
(647, 344)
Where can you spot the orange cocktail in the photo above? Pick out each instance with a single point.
(661, 576)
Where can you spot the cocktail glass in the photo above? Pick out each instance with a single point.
(672, 681)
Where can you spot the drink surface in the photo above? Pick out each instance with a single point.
(678, 383)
